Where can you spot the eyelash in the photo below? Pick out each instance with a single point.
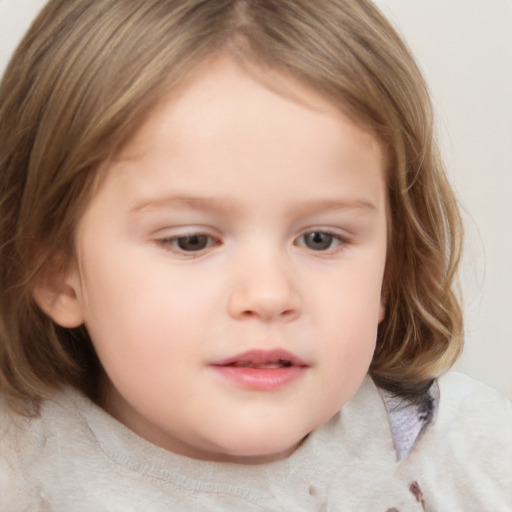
(332, 238)
(205, 242)
(173, 242)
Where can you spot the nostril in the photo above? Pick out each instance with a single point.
(262, 303)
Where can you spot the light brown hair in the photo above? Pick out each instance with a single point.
(86, 75)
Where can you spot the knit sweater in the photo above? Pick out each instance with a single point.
(75, 457)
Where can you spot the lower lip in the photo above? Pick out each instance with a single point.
(261, 379)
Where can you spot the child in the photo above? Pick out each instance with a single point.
(227, 264)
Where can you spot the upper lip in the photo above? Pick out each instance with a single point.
(262, 357)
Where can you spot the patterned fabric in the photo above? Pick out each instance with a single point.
(77, 458)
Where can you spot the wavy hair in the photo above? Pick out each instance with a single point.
(86, 75)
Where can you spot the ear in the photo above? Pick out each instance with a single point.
(382, 310)
(57, 294)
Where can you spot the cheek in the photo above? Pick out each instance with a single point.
(349, 319)
(352, 298)
(129, 308)
(153, 314)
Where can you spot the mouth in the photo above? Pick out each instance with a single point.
(282, 363)
(261, 359)
(259, 370)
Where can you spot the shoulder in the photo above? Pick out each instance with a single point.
(28, 454)
(477, 422)
(21, 439)
(473, 407)
(465, 456)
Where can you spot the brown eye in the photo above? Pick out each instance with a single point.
(318, 241)
(192, 243)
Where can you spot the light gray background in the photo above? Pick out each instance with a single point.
(465, 50)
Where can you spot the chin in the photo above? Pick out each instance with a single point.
(259, 451)
(257, 457)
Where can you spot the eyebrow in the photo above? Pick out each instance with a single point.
(190, 202)
(219, 205)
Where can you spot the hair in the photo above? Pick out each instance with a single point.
(85, 77)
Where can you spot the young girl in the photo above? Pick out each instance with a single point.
(227, 258)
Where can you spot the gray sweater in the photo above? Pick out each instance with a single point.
(77, 458)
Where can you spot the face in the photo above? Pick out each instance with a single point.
(230, 267)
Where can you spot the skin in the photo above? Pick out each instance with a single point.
(253, 171)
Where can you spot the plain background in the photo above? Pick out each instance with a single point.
(465, 51)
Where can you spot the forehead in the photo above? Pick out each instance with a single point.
(220, 87)
(225, 130)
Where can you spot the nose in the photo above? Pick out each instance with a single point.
(264, 288)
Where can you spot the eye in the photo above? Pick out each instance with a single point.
(319, 241)
(190, 243)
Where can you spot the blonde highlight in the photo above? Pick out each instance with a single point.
(88, 73)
